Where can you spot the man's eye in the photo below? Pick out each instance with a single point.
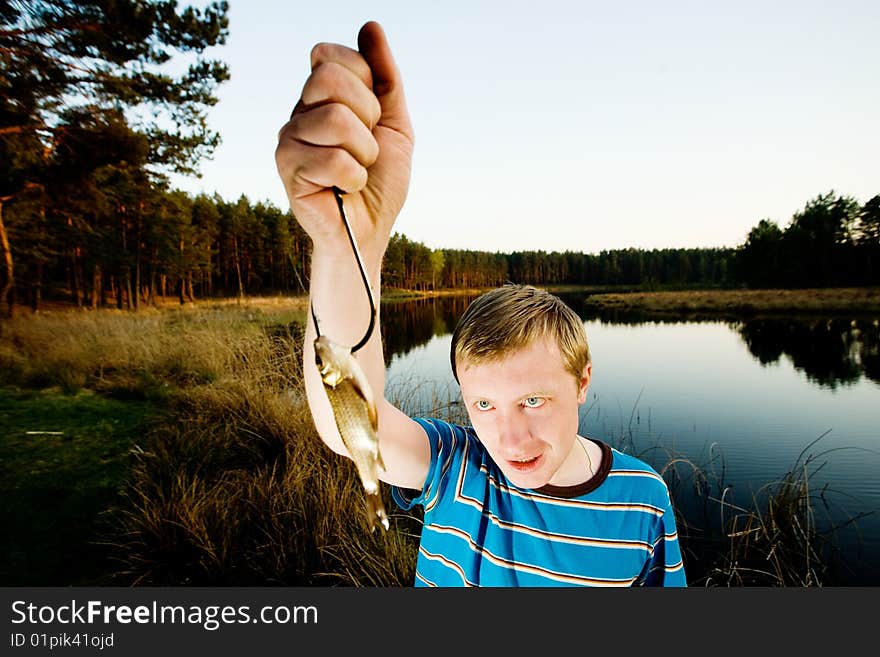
(533, 402)
(482, 405)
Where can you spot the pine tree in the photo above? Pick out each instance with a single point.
(66, 65)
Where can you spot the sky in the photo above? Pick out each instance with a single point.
(581, 126)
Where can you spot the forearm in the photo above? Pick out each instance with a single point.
(342, 308)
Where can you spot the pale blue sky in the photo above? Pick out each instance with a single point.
(582, 125)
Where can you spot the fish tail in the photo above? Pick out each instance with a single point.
(376, 511)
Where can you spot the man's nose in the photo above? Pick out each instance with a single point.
(513, 430)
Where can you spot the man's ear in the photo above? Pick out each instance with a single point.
(584, 382)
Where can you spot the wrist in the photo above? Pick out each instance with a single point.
(338, 265)
(339, 255)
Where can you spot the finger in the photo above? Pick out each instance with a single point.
(296, 110)
(307, 170)
(324, 53)
(335, 125)
(387, 81)
(332, 82)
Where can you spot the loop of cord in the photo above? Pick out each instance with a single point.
(337, 193)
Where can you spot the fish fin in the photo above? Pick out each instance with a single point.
(376, 512)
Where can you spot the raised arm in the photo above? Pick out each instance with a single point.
(351, 129)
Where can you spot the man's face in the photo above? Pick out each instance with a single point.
(524, 408)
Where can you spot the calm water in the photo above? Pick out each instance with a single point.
(741, 399)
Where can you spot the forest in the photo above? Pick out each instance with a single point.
(92, 124)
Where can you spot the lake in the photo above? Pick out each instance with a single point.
(742, 399)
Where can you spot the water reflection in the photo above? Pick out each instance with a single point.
(828, 351)
(410, 324)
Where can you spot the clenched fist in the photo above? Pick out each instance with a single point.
(350, 129)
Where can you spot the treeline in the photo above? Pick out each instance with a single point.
(137, 243)
(833, 241)
(123, 243)
(412, 265)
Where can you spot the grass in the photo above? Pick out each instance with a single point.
(186, 455)
(791, 540)
(230, 485)
(406, 294)
(784, 535)
(742, 302)
(63, 459)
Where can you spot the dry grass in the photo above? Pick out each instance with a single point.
(236, 488)
(784, 537)
(787, 537)
(138, 353)
(743, 302)
(419, 398)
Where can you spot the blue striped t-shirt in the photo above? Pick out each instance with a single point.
(617, 529)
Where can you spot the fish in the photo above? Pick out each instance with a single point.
(354, 409)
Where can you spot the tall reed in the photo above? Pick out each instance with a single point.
(242, 491)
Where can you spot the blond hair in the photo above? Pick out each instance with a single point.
(512, 317)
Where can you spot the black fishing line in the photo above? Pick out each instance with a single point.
(357, 254)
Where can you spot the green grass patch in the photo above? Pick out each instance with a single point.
(63, 459)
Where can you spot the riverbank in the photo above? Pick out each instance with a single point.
(825, 301)
(820, 301)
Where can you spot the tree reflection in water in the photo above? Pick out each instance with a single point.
(410, 324)
(830, 352)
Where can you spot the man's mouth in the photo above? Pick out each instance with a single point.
(525, 465)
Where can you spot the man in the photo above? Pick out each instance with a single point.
(518, 498)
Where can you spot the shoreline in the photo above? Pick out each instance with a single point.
(743, 302)
(862, 300)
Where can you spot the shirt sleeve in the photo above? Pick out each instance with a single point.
(439, 433)
(665, 567)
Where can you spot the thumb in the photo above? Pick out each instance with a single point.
(387, 82)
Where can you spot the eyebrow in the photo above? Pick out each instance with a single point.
(533, 393)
